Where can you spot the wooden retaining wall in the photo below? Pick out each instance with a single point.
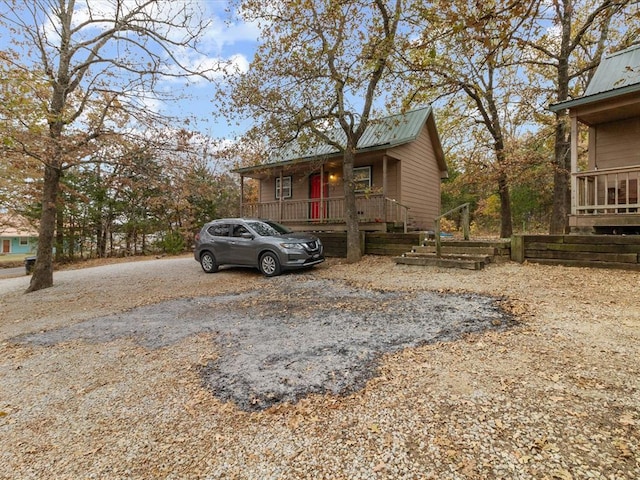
(606, 251)
(374, 243)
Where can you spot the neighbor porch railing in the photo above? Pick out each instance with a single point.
(610, 191)
(370, 208)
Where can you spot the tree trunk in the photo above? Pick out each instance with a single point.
(43, 271)
(506, 225)
(354, 252)
(59, 235)
(561, 186)
(561, 194)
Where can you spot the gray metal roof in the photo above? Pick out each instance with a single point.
(616, 71)
(385, 133)
(617, 74)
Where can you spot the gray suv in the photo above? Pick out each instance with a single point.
(262, 244)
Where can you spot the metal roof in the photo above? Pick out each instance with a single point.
(616, 71)
(387, 132)
(617, 74)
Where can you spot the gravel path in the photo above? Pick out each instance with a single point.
(153, 369)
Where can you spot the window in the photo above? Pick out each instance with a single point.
(362, 178)
(239, 230)
(285, 188)
(219, 230)
(24, 241)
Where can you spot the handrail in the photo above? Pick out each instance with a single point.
(405, 211)
(465, 225)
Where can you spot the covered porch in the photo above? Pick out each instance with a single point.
(606, 200)
(310, 195)
(604, 195)
(376, 212)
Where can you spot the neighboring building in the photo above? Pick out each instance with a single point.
(399, 165)
(17, 236)
(604, 195)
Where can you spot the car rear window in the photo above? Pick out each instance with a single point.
(219, 230)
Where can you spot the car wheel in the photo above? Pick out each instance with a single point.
(208, 262)
(269, 264)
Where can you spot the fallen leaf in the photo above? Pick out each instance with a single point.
(627, 419)
(623, 448)
(562, 474)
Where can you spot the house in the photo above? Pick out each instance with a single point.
(398, 168)
(604, 192)
(17, 236)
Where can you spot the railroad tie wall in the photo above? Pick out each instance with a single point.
(374, 243)
(607, 251)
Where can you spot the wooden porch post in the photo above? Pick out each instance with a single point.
(280, 199)
(574, 163)
(241, 195)
(321, 213)
(384, 187)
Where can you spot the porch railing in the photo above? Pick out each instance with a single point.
(370, 208)
(610, 191)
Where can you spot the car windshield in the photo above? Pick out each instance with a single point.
(268, 228)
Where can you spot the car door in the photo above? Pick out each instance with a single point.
(220, 242)
(241, 249)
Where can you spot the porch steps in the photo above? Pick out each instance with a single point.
(471, 255)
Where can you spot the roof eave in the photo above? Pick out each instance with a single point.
(596, 97)
(303, 160)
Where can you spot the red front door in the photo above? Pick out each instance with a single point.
(315, 192)
(6, 246)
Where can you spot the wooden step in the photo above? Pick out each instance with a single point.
(455, 249)
(450, 261)
(499, 244)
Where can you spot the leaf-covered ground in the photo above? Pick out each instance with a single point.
(555, 396)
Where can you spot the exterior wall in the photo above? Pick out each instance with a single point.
(419, 180)
(615, 144)
(299, 188)
(300, 181)
(16, 248)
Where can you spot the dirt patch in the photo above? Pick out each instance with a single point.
(295, 337)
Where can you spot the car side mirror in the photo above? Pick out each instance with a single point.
(247, 235)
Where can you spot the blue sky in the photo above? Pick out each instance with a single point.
(223, 41)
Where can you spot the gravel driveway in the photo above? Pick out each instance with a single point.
(153, 369)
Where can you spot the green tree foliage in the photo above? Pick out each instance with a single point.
(493, 68)
(149, 200)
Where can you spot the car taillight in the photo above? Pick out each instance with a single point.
(198, 237)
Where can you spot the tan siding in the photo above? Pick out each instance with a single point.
(617, 143)
(299, 186)
(420, 180)
(393, 179)
(336, 186)
(267, 190)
